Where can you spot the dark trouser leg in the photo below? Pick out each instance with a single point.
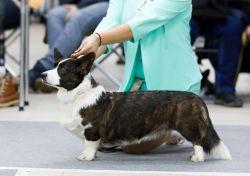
(9, 19)
(229, 34)
(228, 56)
(195, 30)
(11, 15)
(55, 24)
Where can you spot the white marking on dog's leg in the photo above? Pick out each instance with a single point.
(198, 155)
(90, 150)
(220, 151)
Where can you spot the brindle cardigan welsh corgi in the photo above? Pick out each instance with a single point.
(116, 118)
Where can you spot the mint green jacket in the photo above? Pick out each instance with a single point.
(161, 31)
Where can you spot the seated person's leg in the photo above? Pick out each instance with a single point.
(228, 57)
(228, 33)
(195, 30)
(11, 15)
(55, 27)
(245, 67)
(8, 91)
(55, 24)
(83, 22)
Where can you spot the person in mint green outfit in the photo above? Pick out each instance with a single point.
(156, 40)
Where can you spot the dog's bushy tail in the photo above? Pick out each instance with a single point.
(211, 143)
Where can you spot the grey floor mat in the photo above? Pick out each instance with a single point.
(8, 172)
(47, 145)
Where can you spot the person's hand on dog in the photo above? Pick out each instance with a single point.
(90, 44)
(72, 11)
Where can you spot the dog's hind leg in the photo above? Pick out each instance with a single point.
(193, 132)
(198, 154)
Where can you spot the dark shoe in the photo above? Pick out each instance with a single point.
(228, 99)
(110, 149)
(9, 95)
(41, 87)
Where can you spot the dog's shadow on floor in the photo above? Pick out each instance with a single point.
(162, 153)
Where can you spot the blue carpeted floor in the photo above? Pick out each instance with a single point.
(47, 145)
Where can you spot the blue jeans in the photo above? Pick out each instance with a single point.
(67, 35)
(229, 45)
(11, 16)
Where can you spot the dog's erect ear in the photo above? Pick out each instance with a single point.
(85, 63)
(57, 55)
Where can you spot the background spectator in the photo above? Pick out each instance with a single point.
(217, 21)
(67, 25)
(11, 19)
(245, 7)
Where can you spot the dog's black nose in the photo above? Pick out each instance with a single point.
(43, 75)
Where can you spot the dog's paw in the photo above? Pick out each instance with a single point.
(87, 156)
(197, 158)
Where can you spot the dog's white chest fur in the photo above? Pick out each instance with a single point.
(73, 101)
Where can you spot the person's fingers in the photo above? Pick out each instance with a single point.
(88, 45)
(67, 6)
(73, 55)
(81, 46)
(83, 51)
(77, 50)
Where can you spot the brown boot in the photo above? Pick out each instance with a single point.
(41, 87)
(9, 95)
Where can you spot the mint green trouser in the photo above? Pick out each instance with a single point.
(140, 85)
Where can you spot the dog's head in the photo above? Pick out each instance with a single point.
(68, 73)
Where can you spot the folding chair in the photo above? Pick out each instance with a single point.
(97, 64)
(24, 48)
(24, 56)
(202, 48)
(1, 39)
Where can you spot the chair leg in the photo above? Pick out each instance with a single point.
(22, 55)
(109, 76)
(239, 65)
(26, 79)
(11, 39)
(97, 65)
(12, 57)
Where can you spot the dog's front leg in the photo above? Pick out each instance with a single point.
(92, 141)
